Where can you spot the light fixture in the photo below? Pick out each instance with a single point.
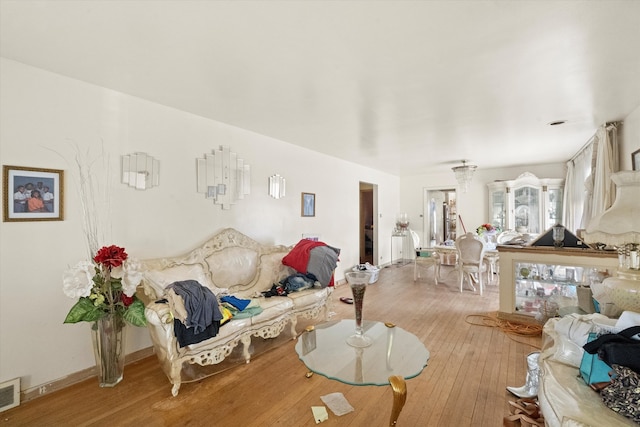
(464, 174)
(277, 186)
(140, 170)
(223, 177)
(619, 227)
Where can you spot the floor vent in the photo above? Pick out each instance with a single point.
(9, 394)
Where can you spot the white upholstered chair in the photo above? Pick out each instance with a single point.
(471, 260)
(420, 261)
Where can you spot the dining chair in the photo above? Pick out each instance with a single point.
(418, 260)
(471, 260)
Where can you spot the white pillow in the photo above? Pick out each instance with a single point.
(160, 279)
(627, 319)
(567, 352)
(577, 326)
(573, 332)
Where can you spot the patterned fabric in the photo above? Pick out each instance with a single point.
(623, 394)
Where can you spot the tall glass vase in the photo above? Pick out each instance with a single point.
(558, 236)
(358, 281)
(108, 347)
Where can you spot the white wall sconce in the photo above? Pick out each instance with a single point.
(140, 171)
(223, 177)
(277, 186)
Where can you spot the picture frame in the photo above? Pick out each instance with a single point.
(21, 183)
(635, 160)
(308, 204)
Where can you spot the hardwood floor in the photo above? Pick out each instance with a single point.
(462, 385)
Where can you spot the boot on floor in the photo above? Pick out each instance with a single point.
(530, 388)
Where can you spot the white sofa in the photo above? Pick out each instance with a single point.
(565, 400)
(228, 263)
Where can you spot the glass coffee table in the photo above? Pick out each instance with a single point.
(395, 356)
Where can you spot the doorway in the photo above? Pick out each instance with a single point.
(440, 216)
(368, 223)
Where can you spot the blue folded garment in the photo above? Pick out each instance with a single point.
(238, 303)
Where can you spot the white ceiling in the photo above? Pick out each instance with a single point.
(401, 86)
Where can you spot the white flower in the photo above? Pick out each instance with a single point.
(132, 276)
(78, 281)
(116, 272)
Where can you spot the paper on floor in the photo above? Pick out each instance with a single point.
(320, 414)
(337, 403)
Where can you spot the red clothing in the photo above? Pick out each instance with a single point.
(298, 258)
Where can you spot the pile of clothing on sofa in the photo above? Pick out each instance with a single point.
(198, 313)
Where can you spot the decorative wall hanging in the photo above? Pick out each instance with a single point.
(277, 185)
(33, 194)
(223, 177)
(140, 171)
(308, 204)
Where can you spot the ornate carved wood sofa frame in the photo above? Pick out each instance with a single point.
(232, 263)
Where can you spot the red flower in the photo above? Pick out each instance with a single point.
(127, 301)
(111, 256)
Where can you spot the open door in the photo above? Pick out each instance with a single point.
(368, 223)
(440, 217)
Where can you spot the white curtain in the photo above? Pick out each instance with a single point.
(577, 193)
(604, 191)
(587, 211)
(588, 189)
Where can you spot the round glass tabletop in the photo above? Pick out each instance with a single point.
(394, 352)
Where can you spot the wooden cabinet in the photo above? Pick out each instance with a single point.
(533, 276)
(526, 203)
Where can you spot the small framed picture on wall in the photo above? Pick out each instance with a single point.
(308, 204)
(32, 194)
(635, 160)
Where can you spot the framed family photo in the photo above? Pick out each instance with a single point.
(308, 204)
(32, 194)
(635, 160)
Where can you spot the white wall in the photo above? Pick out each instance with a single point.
(630, 139)
(43, 114)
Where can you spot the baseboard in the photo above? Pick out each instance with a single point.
(76, 377)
